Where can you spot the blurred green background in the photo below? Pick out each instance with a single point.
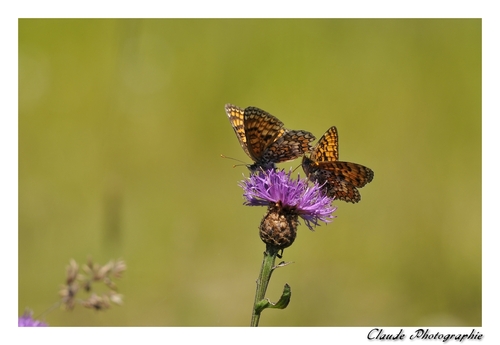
(121, 127)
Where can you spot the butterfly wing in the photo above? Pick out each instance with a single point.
(355, 174)
(291, 145)
(344, 191)
(236, 118)
(339, 179)
(261, 130)
(265, 139)
(327, 148)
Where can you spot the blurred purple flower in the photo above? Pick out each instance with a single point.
(27, 321)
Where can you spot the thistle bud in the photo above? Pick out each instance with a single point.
(278, 228)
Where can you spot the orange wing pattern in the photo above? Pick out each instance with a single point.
(265, 139)
(339, 179)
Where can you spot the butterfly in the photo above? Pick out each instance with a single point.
(339, 179)
(265, 139)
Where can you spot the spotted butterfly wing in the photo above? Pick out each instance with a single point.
(236, 117)
(339, 179)
(261, 130)
(264, 138)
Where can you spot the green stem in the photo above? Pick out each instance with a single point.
(263, 280)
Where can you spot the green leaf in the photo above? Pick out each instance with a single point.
(284, 299)
(281, 304)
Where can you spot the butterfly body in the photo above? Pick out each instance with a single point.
(339, 179)
(264, 138)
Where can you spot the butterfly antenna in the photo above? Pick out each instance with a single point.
(296, 167)
(234, 159)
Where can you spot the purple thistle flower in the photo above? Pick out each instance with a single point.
(277, 186)
(27, 321)
(287, 199)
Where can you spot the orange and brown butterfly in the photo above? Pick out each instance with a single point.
(265, 139)
(339, 179)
